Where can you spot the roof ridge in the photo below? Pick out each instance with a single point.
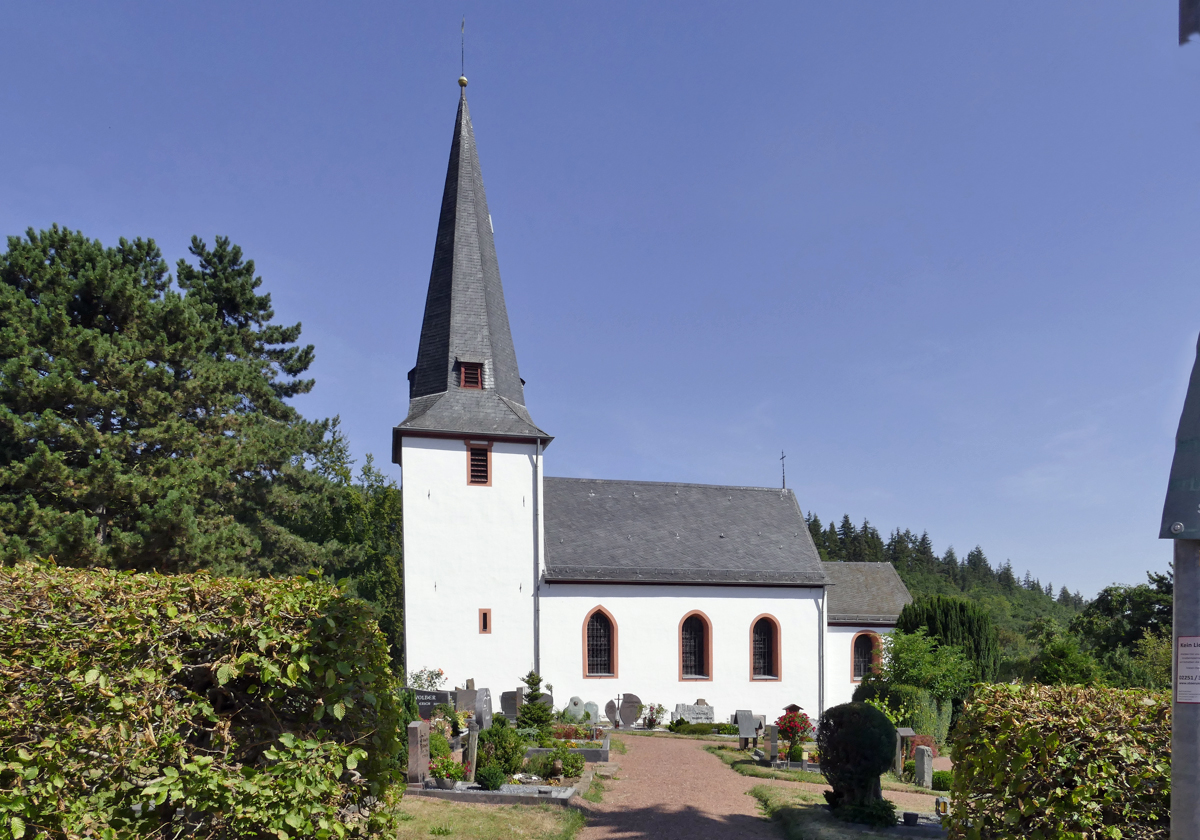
(669, 484)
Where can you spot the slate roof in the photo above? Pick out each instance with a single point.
(650, 532)
(865, 593)
(465, 317)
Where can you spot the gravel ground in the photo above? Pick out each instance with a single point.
(670, 789)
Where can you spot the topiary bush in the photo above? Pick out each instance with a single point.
(942, 779)
(796, 753)
(1061, 761)
(490, 777)
(857, 743)
(224, 707)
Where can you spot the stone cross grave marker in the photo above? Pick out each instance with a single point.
(924, 758)
(418, 751)
(629, 709)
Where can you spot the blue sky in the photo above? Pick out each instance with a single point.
(943, 254)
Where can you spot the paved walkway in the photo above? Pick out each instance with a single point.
(671, 789)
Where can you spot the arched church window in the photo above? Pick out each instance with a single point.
(695, 648)
(866, 647)
(764, 648)
(600, 644)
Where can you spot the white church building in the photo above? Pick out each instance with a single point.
(672, 592)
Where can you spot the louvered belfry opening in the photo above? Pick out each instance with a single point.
(599, 645)
(479, 472)
(470, 375)
(864, 655)
(694, 644)
(764, 648)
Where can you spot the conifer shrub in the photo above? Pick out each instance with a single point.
(1035, 761)
(534, 714)
(856, 743)
(491, 777)
(959, 622)
(139, 705)
(500, 746)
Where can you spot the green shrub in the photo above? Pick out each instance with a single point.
(1061, 761)
(439, 745)
(796, 753)
(491, 777)
(910, 769)
(252, 707)
(674, 725)
(726, 729)
(913, 707)
(447, 768)
(500, 746)
(572, 763)
(857, 744)
(942, 779)
(881, 812)
(540, 764)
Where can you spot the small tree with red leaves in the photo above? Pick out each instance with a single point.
(794, 727)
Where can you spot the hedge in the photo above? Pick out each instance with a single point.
(147, 706)
(925, 715)
(1034, 761)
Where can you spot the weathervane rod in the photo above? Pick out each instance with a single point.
(783, 467)
(462, 48)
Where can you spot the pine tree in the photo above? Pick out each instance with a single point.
(833, 543)
(818, 534)
(534, 714)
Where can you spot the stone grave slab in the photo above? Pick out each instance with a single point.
(746, 724)
(426, 700)
(418, 751)
(610, 712)
(629, 709)
(695, 713)
(547, 700)
(464, 699)
(772, 732)
(510, 702)
(924, 761)
(574, 709)
(593, 712)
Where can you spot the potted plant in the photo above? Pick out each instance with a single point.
(446, 771)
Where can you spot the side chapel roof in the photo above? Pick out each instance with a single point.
(465, 317)
(865, 593)
(651, 532)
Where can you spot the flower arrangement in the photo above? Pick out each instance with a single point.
(652, 714)
(794, 727)
(427, 679)
(447, 768)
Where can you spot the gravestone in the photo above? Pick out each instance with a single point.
(483, 708)
(695, 714)
(469, 684)
(772, 743)
(593, 712)
(418, 751)
(629, 709)
(464, 700)
(610, 712)
(426, 700)
(747, 727)
(472, 750)
(547, 700)
(701, 702)
(574, 709)
(510, 702)
(924, 773)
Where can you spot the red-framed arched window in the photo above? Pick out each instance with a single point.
(766, 658)
(599, 644)
(695, 647)
(865, 650)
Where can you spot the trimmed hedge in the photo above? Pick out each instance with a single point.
(925, 715)
(150, 706)
(1034, 761)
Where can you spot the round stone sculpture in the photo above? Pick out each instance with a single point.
(574, 709)
(629, 709)
(610, 712)
(593, 712)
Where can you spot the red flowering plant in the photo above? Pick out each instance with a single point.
(794, 727)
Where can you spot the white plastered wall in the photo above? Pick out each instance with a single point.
(648, 618)
(839, 660)
(468, 548)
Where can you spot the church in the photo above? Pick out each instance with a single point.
(674, 592)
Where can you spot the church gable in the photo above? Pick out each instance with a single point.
(650, 532)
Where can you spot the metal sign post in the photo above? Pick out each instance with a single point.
(1181, 523)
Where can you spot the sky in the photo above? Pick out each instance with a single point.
(941, 254)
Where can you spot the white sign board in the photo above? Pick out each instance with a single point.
(1187, 669)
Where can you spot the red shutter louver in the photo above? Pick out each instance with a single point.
(479, 466)
(470, 375)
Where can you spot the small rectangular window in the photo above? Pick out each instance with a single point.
(479, 465)
(470, 375)
(485, 621)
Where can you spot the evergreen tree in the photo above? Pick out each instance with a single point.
(833, 543)
(533, 713)
(1006, 578)
(818, 535)
(959, 622)
(924, 554)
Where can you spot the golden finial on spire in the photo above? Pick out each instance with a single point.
(462, 81)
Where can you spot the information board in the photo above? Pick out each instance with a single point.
(1187, 669)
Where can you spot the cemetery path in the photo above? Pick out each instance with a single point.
(671, 789)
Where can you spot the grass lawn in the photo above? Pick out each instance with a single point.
(746, 764)
(423, 818)
(803, 815)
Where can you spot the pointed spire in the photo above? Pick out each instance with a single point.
(466, 322)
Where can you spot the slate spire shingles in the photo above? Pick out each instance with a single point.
(465, 316)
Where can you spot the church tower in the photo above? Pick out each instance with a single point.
(471, 457)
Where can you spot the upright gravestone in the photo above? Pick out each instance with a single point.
(1181, 523)
(695, 714)
(472, 750)
(747, 727)
(593, 712)
(628, 712)
(510, 702)
(418, 751)
(924, 763)
(483, 708)
(574, 709)
(610, 712)
(464, 700)
(547, 700)
(772, 743)
(426, 700)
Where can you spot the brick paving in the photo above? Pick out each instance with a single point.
(671, 789)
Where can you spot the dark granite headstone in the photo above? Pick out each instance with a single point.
(547, 700)
(629, 709)
(510, 702)
(426, 700)
(772, 742)
(464, 699)
(483, 708)
(610, 712)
